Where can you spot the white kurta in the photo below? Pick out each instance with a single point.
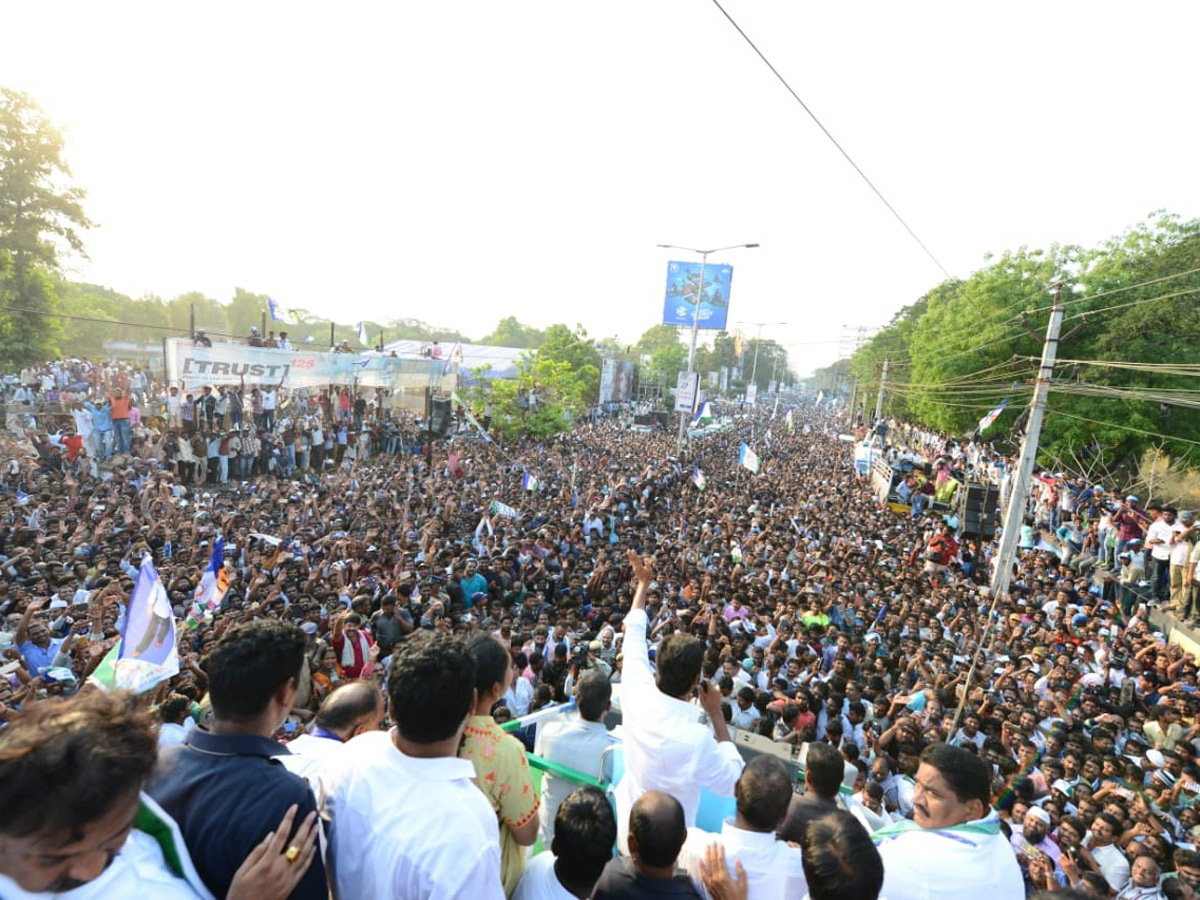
(950, 865)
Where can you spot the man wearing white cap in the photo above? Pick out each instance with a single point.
(953, 848)
(1034, 838)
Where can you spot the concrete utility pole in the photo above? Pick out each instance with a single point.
(1013, 516)
(1018, 496)
(882, 386)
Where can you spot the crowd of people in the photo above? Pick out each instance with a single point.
(342, 722)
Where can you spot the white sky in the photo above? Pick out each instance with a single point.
(461, 161)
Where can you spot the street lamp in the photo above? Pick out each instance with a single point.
(757, 342)
(696, 311)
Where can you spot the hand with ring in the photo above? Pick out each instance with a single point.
(276, 865)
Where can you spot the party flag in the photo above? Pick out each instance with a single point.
(749, 459)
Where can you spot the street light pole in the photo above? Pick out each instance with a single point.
(683, 414)
(757, 343)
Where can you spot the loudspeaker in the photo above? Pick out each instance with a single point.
(439, 417)
(977, 510)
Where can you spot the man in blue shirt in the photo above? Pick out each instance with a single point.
(225, 787)
(34, 641)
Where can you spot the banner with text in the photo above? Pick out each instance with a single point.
(194, 366)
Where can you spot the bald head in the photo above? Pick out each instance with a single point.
(656, 828)
(351, 709)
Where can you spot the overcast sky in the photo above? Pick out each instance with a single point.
(461, 161)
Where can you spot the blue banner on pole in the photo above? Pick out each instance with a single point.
(683, 293)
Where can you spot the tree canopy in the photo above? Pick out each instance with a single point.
(1132, 318)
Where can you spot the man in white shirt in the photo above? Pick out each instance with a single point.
(774, 869)
(584, 832)
(442, 837)
(1158, 540)
(1100, 840)
(174, 714)
(578, 744)
(350, 710)
(62, 837)
(667, 747)
(1182, 533)
(953, 848)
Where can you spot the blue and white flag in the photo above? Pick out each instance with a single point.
(703, 414)
(146, 654)
(280, 313)
(22, 498)
(529, 482)
(308, 339)
(986, 421)
(749, 459)
(698, 478)
(213, 583)
(454, 356)
(362, 334)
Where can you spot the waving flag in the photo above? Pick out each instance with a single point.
(362, 334)
(308, 339)
(788, 419)
(529, 482)
(986, 422)
(213, 584)
(146, 653)
(703, 414)
(455, 356)
(496, 508)
(280, 313)
(749, 459)
(698, 478)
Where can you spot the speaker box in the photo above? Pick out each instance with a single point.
(439, 417)
(977, 510)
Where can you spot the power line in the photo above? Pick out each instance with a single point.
(1155, 434)
(833, 140)
(54, 315)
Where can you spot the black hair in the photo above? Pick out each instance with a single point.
(250, 663)
(656, 823)
(431, 686)
(824, 770)
(67, 763)
(840, 859)
(969, 776)
(763, 793)
(492, 661)
(679, 659)
(585, 830)
(593, 692)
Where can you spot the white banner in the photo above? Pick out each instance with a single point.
(193, 366)
(685, 392)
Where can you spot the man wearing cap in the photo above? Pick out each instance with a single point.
(1034, 838)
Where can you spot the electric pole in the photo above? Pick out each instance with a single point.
(1014, 514)
(882, 386)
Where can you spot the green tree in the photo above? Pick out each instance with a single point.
(39, 216)
(578, 352)
(511, 333)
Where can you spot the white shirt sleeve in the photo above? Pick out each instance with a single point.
(637, 656)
